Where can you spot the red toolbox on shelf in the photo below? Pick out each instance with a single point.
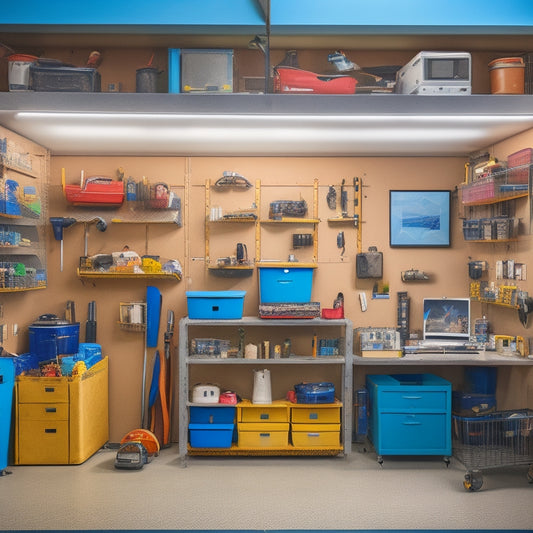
(297, 81)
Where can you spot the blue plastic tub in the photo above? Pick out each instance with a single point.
(210, 435)
(212, 415)
(215, 304)
(279, 285)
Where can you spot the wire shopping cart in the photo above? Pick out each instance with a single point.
(502, 438)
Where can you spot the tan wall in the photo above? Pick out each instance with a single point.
(285, 178)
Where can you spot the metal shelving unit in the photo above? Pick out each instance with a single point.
(292, 364)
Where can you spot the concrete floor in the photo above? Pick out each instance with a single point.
(266, 493)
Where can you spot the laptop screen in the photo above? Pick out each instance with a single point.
(447, 319)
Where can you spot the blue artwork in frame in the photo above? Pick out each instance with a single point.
(419, 218)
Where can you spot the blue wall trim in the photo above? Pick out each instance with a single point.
(287, 16)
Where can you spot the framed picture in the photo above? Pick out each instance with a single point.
(419, 218)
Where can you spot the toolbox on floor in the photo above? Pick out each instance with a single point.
(215, 304)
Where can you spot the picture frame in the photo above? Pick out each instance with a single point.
(419, 218)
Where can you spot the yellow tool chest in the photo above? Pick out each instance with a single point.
(61, 420)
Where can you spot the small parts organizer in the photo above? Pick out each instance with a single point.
(132, 316)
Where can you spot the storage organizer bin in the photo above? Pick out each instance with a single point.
(215, 304)
(523, 159)
(64, 79)
(285, 284)
(471, 404)
(263, 435)
(210, 435)
(315, 392)
(310, 435)
(211, 415)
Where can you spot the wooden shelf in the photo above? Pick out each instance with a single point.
(21, 289)
(126, 275)
(288, 220)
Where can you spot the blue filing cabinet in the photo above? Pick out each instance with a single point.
(410, 414)
(7, 383)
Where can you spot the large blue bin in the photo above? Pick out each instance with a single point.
(7, 383)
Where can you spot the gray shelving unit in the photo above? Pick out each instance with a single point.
(291, 363)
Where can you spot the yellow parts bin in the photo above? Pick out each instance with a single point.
(61, 420)
(316, 426)
(263, 425)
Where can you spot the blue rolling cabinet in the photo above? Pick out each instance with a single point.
(7, 383)
(410, 414)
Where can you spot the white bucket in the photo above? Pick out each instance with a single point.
(18, 73)
(262, 387)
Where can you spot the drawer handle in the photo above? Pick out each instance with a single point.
(264, 416)
(264, 434)
(313, 434)
(52, 430)
(50, 410)
(215, 308)
(412, 397)
(49, 389)
(412, 423)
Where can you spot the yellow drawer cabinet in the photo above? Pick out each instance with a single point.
(315, 435)
(325, 413)
(263, 435)
(61, 420)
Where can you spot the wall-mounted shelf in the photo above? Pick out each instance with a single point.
(125, 275)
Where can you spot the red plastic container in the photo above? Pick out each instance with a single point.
(296, 81)
(96, 191)
(523, 159)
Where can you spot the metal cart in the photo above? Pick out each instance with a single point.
(502, 438)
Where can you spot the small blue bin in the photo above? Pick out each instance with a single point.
(215, 304)
(210, 435)
(212, 415)
(280, 285)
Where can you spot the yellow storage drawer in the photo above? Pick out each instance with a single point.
(43, 411)
(259, 435)
(43, 442)
(274, 412)
(326, 413)
(42, 390)
(312, 435)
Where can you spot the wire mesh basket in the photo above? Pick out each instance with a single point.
(503, 438)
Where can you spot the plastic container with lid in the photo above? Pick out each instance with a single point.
(507, 75)
(18, 73)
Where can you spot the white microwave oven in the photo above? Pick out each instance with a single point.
(447, 73)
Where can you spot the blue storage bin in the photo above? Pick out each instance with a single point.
(210, 435)
(315, 392)
(7, 384)
(212, 415)
(471, 404)
(215, 304)
(278, 284)
(480, 379)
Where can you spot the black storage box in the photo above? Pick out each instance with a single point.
(64, 79)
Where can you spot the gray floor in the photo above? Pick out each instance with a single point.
(264, 493)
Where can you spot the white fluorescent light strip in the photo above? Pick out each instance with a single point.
(274, 117)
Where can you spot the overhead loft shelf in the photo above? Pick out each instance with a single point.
(264, 125)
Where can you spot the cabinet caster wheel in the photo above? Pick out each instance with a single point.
(380, 460)
(446, 461)
(473, 481)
